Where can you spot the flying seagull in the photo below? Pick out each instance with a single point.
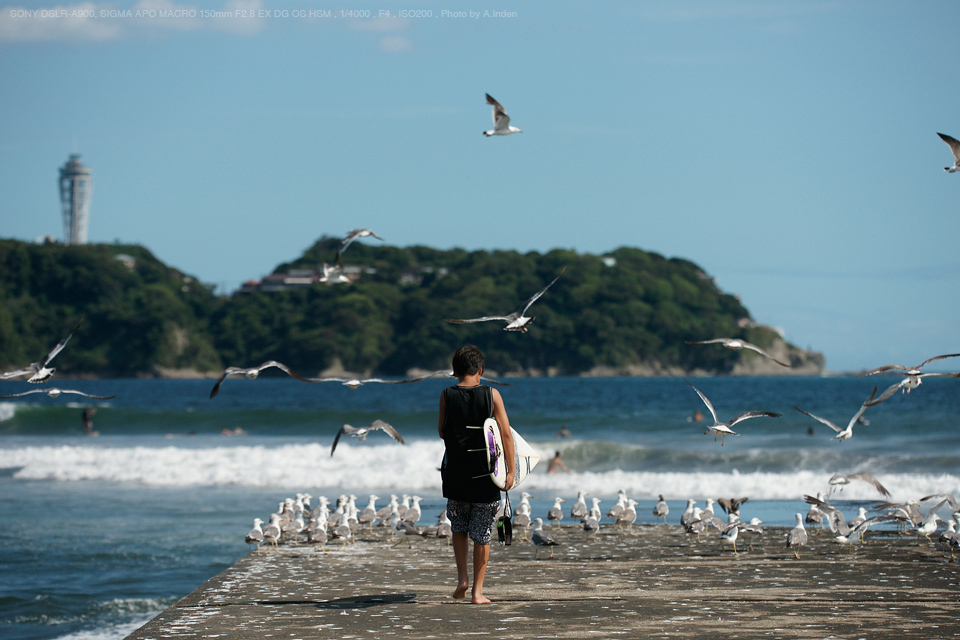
(516, 321)
(954, 145)
(913, 378)
(501, 121)
(843, 434)
(41, 372)
(351, 236)
(737, 344)
(732, 505)
(361, 432)
(252, 373)
(725, 428)
(55, 393)
(839, 479)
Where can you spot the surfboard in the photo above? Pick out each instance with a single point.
(525, 459)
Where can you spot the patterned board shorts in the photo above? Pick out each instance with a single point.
(475, 518)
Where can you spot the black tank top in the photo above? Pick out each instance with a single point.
(465, 472)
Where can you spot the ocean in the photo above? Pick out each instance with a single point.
(103, 533)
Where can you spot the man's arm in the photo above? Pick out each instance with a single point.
(443, 415)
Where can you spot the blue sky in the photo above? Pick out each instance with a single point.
(788, 148)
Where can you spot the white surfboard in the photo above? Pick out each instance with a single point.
(526, 458)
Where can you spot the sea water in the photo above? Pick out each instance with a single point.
(103, 533)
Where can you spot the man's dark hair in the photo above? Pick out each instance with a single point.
(467, 360)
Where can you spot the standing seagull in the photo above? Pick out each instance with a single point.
(516, 321)
(501, 121)
(724, 428)
(913, 377)
(736, 344)
(351, 236)
(797, 537)
(251, 374)
(41, 372)
(540, 538)
(661, 509)
(361, 432)
(954, 145)
(842, 434)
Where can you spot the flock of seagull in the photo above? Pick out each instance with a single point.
(296, 521)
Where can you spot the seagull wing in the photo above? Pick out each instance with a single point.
(345, 429)
(500, 118)
(714, 341)
(823, 420)
(60, 345)
(483, 319)
(886, 367)
(935, 358)
(537, 295)
(388, 429)
(705, 401)
(867, 477)
(25, 393)
(33, 368)
(746, 415)
(87, 395)
(952, 142)
(216, 386)
(892, 389)
(753, 347)
(863, 408)
(282, 367)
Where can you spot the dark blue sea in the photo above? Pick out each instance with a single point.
(103, 533)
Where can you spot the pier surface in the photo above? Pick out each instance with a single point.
(659, 582)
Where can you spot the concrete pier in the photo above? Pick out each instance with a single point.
(659, 582)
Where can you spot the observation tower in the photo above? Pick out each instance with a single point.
(76, 189)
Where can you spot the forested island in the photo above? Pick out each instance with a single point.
(627, 312)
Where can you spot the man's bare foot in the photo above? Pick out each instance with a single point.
(480, 600)
(461, 592)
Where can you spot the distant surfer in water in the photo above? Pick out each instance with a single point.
(472, 497)
(86, 416)
(556, 464)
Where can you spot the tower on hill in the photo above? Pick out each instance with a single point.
(76, 189)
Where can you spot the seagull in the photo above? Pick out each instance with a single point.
(333, 275)
(913, 376)
(842, 434)
(351, 236)
(579, 508)
(732, 505)
(55, 393)
(730, 532)
(954, 145)
(736, 344)
(255, 535)
(361, 432)
(687, 514)
(556, 511)
(661, 509)
(724, 428)
(516, 321)
(628, 516)
(271, 532)
(252, 373)
(39, 370)
(444, 527)
(839, 479)
(797, 537)
(501, 121)
(540, 538)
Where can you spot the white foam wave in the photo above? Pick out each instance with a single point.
(414, 467)
(108, 632)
